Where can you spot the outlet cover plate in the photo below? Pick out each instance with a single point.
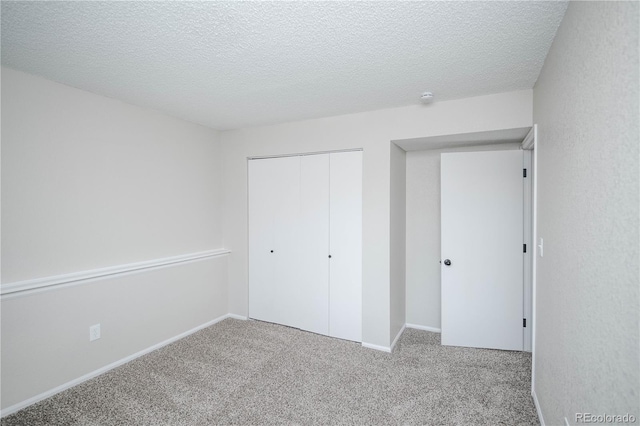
(94, 332)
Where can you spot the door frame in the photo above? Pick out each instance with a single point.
(527, 266)
(530, 145)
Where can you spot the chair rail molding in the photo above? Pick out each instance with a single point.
(22, 288)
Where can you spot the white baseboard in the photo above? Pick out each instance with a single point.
(238, 317)
(424, 327)
(376, 347)
(393, 345)
(387, 349)
(537, 404)
(44, 395)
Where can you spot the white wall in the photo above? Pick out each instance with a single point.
(423, 233)
(371, 131)
(45, 336)
(588, 310)
(90, 182)
(398, 231)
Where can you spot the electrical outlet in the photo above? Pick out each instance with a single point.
(94, 332)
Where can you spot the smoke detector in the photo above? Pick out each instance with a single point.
(426, 97)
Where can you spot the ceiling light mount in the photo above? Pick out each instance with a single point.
(426, 97)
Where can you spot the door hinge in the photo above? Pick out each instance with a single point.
(524, 248)
(524, 322)
(524, 173)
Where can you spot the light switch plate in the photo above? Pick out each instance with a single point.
(541, 247)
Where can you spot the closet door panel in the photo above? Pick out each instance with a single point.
(274, 203)
(287, 238)
(262, 296)
(345, 217)
(312, 295)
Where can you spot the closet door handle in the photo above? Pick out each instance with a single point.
(271, 251)
(329, 256)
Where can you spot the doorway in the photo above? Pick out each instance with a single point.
(423, 293)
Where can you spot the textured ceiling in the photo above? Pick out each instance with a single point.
(237, 64)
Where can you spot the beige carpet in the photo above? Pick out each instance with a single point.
(255, 373)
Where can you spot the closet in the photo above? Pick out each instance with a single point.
(305, 242)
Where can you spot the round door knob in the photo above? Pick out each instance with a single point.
(271, 251)
(447, 262)
(329, 256)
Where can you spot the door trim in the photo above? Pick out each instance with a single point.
(527, 263)
(531, 143)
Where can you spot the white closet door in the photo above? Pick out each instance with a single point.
(345, 217)
(287, 238)
(274, 203)
(261, 241)
(312, 290)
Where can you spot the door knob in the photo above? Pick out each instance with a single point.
(271, 251)
(447, 262)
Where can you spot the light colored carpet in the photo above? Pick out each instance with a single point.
(255, 373)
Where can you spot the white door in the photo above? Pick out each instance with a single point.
(345, 290)
(482, 249)
(305, 242)
(312, 290)
(274, 267)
